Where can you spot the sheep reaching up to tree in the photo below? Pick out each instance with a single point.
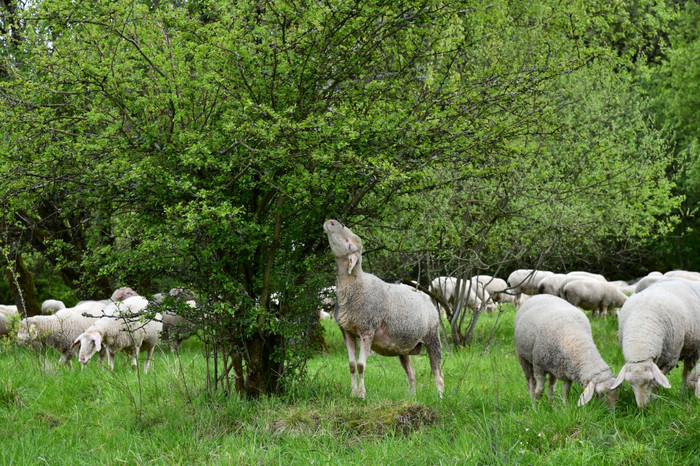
(391, 319)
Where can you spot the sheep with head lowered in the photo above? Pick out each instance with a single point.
(121, 329)
(59, 330)
(554, 337)
(658, 327)
(526, 281)
(596, 296)
(391, 319)
(448, 288)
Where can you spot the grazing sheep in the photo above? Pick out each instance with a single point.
(594, 295)
(685, 274)
(121, 329)
(526, 281)
(497, 288)
(554, 337)
(120, 294)
(591, 276)
(482, 293)
(658, 327)
(176, 328)
(391, 319)
(8, 310)
(50, 306)
(552, 284)
(60, 330)
(446, 287)
(5, 325)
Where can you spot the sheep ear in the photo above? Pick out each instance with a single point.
(620, 377)
(352, 261)
(98, 342)
(75, 343)
(659, 377)
(587, 394)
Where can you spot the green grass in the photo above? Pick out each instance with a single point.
(55, 415)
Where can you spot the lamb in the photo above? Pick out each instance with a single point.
(391, 319)
(121, 330)
(60, 330)
(526, 281)
(554, 337)
(597, 296)
(658, 327)
(50, 306)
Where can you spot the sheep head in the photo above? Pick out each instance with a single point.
(345, 244)
(642, 376)
(603, 388)
(120, 294)
(90, 343)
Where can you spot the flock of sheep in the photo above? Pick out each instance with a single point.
(659, 323)
(123, 323)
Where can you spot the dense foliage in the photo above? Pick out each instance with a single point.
(203, 144)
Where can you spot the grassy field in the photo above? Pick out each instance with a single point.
(55, 415)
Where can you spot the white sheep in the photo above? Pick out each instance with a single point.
(497, 288)
(576, 274)
(552, 284)
(391, 319)
(5, 325)
(60, 330)
(685, 274)
(658, 327)
(526, 281)
(9, 310)
(447, 288)
(121, 329)
(554, 337)
(50, 306)
(597, 296)
(120, 294)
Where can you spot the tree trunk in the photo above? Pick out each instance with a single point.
(22, 288)
(263, 373)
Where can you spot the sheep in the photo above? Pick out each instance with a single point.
(121, 330)
(658, 327)
(482, 293)
(9, 310)
(50, 306)
(685, 274)
(120, 294)
(552, 284)
(5, 325)
(587, 275)
(446, 287)
(497, 288)
(554, 337)
(392, 320)
(176, 328)
(60, 330)
(594, 295)
(525, 281)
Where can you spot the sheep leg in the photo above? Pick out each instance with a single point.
(434, 348)
(688, 365)
(352, 357)
(566, 386)
(539, 382)
(110, 360)
(135, 358)
(365, 347)
(147, 362)
(528, 370)
(552, 383)
(410, 373)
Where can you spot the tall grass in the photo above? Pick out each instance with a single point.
(56, 415)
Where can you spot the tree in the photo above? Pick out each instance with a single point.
(205, 146)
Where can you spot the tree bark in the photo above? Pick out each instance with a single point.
(22, 288)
